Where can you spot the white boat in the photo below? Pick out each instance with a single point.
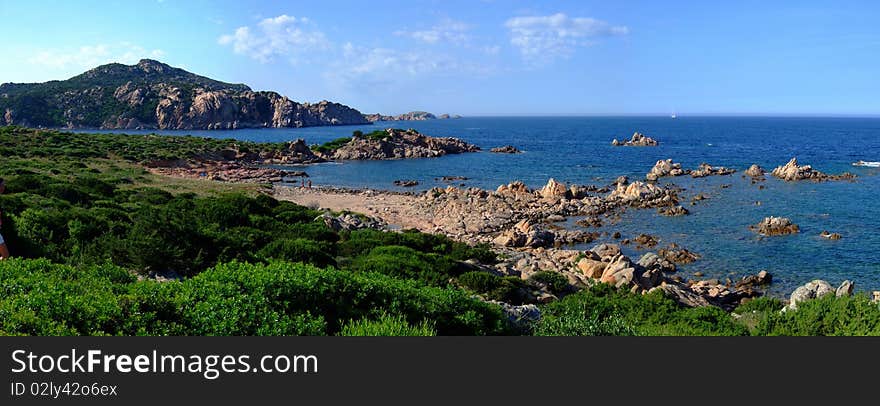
(672, 116)
(867, 163)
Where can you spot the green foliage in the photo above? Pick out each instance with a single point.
(407, 263)
(602, 309)
(331, 146)
(41, 298)
(30, 143)
(760, 305)
(298, 250)
(555, 281)
(825, 316)
(361, 241)
(506, 289)
(386, 326)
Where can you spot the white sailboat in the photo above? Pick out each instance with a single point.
(672, 116)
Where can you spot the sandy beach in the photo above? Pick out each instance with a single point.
(394, 209)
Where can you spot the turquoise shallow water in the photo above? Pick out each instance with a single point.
(577, 149)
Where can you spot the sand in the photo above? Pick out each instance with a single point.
(394, 209)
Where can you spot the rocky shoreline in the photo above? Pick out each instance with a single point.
(521, 225)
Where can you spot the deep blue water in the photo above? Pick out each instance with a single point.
(577, 149)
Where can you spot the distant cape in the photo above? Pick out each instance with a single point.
(411, 116)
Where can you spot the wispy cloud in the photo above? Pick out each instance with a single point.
(90, 56)
(281, 36)
(542, 39)
(447, 31)
(375, 68)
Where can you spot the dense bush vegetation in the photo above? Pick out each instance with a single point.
(280, 298)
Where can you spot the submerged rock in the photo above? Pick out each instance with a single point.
(830, 236)
(673, 211)
(708, 170)
(507, 149)
(771, 226)
(406, 183)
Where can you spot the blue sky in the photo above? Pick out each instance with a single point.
(480, 57)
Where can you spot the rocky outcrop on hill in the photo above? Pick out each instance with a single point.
(637, 140)
(507, 149)
(398, 144)
(411, 116)
(793, 172)
(771, 226)
(154, 95)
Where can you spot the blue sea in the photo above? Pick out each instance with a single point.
(578, 150)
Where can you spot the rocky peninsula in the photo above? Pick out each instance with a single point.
(393, 144)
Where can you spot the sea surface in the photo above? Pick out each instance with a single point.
(578, 150)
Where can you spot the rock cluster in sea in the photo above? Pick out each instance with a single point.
(755, 171)
(665, 167)
(771, 226)
(637, 140)
(507, 149)
(677, 254)
(398, 144)
(406, 183)
(708, 170)
(793, 172)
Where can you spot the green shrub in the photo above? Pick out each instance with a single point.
(651, 314)
(297, 250)
(506, 289)
(825, 316)
(407, 263)
(760, 305)
(386, 326)
(555, 281)
(41, 298)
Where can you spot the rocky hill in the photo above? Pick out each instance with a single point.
(411, 116)
(151, 95)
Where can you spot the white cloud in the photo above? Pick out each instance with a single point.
(373, 68)
(447, 31)
(541, 39)
(90, 56)
(281, 36)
